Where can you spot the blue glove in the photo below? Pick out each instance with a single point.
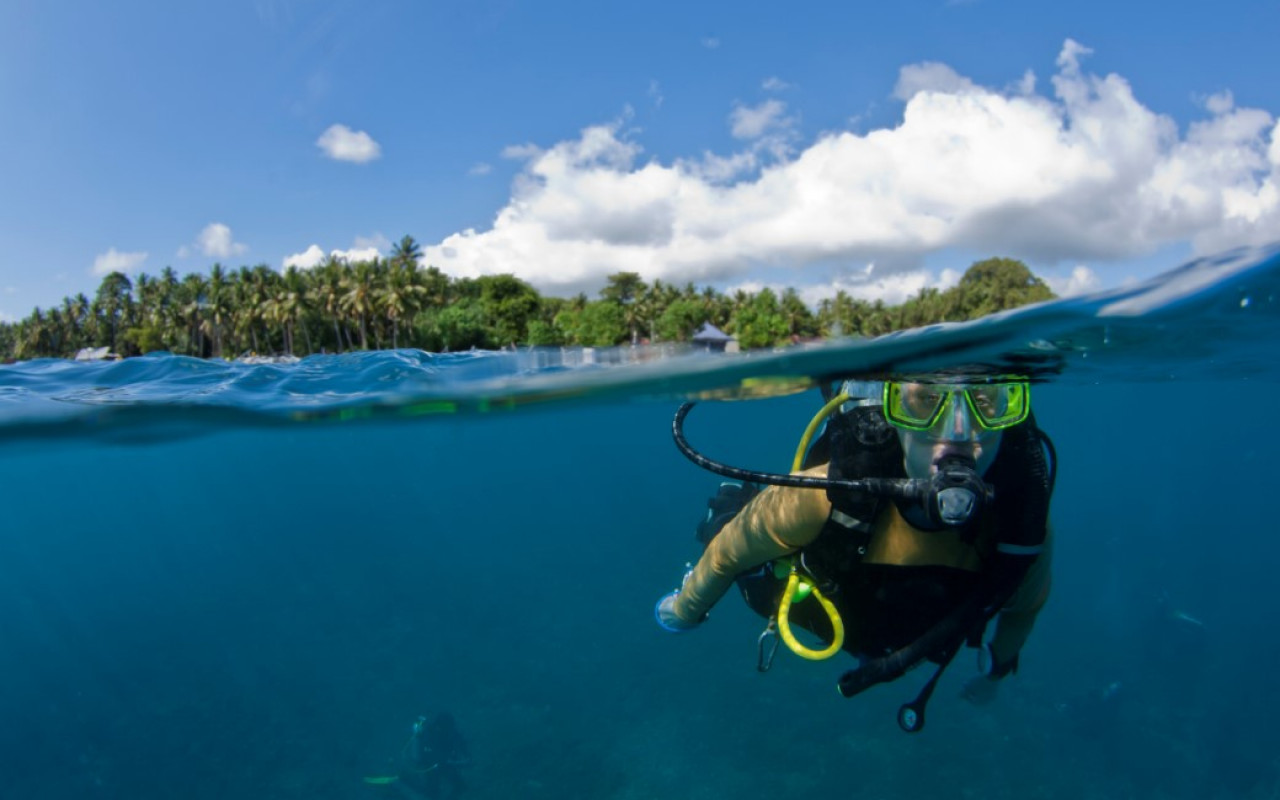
(665, 613)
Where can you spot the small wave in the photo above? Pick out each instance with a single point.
(1212, 318)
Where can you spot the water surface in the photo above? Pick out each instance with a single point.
(230, 580)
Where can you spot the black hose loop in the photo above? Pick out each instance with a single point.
(907, 489)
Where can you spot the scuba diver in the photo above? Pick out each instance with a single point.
(919, 515)
(430, 759)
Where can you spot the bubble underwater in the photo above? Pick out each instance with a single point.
(221, 579)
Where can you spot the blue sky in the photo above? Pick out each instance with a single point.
(874, 147)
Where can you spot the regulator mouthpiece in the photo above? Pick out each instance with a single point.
(956, 493)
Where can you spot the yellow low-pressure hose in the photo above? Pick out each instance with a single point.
(784, 624)
(794, 586)
(798, 462)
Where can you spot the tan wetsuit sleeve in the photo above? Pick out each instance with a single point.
(778, 521)
(1015, 621)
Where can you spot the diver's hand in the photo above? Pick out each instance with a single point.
(980, 690)
(665, 613)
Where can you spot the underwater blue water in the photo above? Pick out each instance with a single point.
(232, 580)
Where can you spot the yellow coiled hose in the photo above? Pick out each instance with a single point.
(794, 585)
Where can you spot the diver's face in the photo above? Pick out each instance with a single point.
(956, 433)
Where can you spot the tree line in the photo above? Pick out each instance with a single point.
(394, 302)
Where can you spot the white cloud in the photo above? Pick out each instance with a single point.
(930, 76)
(1070, 54)
(307, 259)
(214, 241)
(521, 152)
(720, 169)
(775, 84)
(343, 144)
(115, 261)
(1082, 280)
(1083, 172)
(892, 289)
(748, 122)
(1026, 85)
(1220, 103)
(379, 243)
(480, 169)
(356, 254)
(365, 249)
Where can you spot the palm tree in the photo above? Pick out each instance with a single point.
(406, 253)
(326, 293)
(112, 302)
(218, 313)
(73, 316)
(292, 299)
(170, 315)
(400, 296)
(357, 299)
(192, 300)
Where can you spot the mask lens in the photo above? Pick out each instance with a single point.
(999, 405)
(918, 406)
(915, 406)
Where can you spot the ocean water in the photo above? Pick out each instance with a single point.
(247, 581)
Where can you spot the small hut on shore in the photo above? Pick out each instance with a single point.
(715, 340)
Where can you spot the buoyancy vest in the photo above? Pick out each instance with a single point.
(924, 591)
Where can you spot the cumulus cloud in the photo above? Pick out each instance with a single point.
(891, 288)
(311, 257)
(377, 242)
(214, 241)
(480, 168)
(366, 248)
(930, 76)
(343, 144)
(747, 122)
(115, 261)
(1080, 172)
(1220, 103)
(1082, 280)
(356, 254)
(775, 84)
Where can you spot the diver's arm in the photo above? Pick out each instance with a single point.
(778, 521)
(1015, 621)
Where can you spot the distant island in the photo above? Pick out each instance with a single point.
(394, 302)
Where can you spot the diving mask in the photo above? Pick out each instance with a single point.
(993, 406)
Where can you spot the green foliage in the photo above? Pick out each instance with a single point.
(760, 322)
(681, 320)
(397, 303)
(598, 324)
(623, 288)
(460, 326)
(508, 303)
(141, 340)
(799, 319)
(997, 284)
(544, 334)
